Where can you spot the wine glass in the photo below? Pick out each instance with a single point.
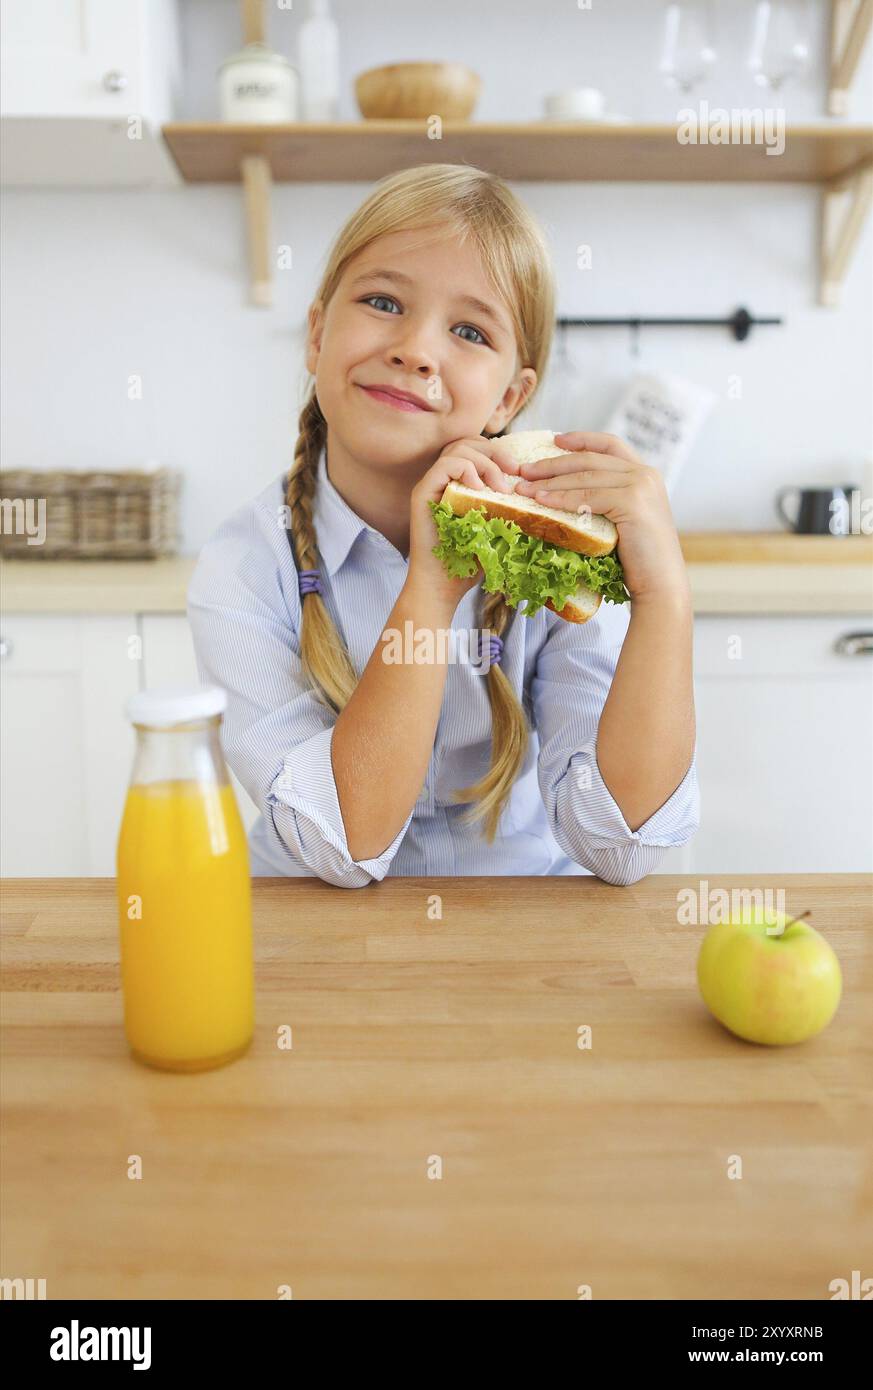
(688, 53)
(780, 47)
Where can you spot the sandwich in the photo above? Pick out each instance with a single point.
(547, 556)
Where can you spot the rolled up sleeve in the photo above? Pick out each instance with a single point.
(307, 816)
(276, 734)
(575, 669)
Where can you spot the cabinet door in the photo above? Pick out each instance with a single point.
(785, 746)
(168, 659)
(85, 88)
(66, 747)
(72, 57)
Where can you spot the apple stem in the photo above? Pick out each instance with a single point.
(807, 913)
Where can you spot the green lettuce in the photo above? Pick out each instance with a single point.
(520, 566)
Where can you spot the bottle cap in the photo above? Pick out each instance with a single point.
(175, 704)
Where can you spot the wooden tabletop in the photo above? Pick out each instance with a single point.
(421, 1039)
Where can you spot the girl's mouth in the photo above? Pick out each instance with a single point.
(397, 402)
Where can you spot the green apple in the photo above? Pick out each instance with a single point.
(775, 987)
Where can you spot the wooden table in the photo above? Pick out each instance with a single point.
(454, 1038)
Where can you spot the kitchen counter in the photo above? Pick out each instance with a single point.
(753, 572)
(457, 1038)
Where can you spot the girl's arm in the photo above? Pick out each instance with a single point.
(646, 734)
(383, 739)
(645, 738)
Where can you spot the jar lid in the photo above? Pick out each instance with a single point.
(257, 53)
(175, 704)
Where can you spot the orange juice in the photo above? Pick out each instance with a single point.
(184, 901)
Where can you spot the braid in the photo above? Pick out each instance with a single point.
(323, 653)
(509, 731)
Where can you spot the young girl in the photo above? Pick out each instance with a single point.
(428, 335)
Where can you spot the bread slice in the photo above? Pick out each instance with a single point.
(579, 606)
(587, 535)
(528, 446)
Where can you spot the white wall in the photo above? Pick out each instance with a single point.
(99, 285)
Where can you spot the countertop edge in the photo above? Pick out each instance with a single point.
(160, 586)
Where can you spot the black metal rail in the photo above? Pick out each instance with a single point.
(740, 323)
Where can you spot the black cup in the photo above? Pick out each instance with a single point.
(822, 511)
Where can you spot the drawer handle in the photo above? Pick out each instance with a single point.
(854, 644)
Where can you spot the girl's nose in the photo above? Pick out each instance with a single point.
(415, 355)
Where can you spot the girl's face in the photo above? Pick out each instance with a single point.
(403, 317)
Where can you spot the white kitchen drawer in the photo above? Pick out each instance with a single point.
(779, 646)
(38, 644)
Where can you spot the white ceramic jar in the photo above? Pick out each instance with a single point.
(258, 86)
(575, 104)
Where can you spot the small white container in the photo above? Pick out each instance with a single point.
(259, 87)
(575, 104)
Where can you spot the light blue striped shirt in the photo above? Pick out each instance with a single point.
(244, 608)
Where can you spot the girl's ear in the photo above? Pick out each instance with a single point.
(513, 399)
(313, 337)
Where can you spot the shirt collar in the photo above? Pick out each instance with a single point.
(337, 527)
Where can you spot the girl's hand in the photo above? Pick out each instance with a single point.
(476, 462)
(603, 474)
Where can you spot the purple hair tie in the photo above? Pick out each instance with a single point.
(495, 650)
(310, 582)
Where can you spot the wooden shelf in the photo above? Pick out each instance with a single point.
(361, 151)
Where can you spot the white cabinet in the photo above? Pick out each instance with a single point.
(785, 745)
(86, 86)
(66, 749)
(86, 57)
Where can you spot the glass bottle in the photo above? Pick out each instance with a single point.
(184, 888)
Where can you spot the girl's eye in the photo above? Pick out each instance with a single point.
(481, 337)
(386, 299)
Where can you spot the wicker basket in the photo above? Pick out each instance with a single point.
(120, 515)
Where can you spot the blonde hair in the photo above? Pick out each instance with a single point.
(513, 250)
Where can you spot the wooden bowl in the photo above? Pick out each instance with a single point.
(414, 91)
